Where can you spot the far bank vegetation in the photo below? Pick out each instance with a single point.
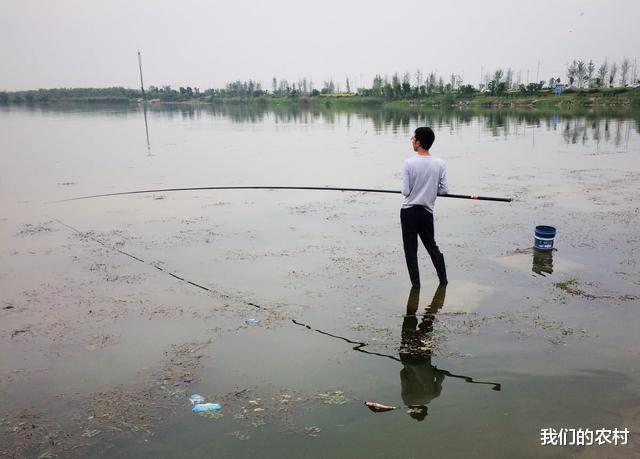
(612, 81)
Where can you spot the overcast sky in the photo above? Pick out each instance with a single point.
(79, 43)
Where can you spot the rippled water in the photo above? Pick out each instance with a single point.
(114, 310)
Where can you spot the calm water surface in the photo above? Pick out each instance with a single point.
(114, 310)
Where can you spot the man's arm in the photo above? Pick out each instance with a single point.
(406, 180)
(443, 185)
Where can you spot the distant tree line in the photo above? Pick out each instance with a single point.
(580, 75)
(168, 94)
(586, 75)
(114, 94)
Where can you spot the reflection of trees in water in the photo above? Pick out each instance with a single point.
(505, 123)
(580, 130)
(396, 120)
(575, 127)
(510, 123)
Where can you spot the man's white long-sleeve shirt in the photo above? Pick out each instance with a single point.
(423, 177)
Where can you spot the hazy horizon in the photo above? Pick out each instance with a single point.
(72, 43)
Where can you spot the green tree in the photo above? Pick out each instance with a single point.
(431, 83)
(572, 72)
(406, 84)
(467, 89)
(508, 78)
(329, 87)
(591, 67)
(612, 74)
(496, 85)
(581, 73)
(624, 71)
(377, 87)
(419, 78)
(395, 84)
(602, 73)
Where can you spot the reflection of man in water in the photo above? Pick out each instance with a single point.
(421, 381)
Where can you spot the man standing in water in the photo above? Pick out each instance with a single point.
(423, 177)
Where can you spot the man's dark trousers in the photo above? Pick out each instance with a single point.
(418, 221)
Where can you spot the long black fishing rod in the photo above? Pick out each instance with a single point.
(313, 188)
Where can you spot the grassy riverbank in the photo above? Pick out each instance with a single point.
(612, 98)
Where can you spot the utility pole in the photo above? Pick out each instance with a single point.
(141, 82)
(144, 102)
(538, 73)
(481, 72)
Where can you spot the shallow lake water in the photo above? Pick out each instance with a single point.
(292, 308)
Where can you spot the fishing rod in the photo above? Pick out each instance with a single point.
(312, 188)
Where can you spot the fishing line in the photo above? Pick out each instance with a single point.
(159, 268)
(358, 348)
(360, 345)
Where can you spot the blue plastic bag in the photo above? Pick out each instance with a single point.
(206, 407)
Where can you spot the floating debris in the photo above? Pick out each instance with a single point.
(379, 407)
(29, 230)
(240, 415)
(240, 435)
(570, 286)
(258, 423)
(15, 333)
(211, 414)
(312, 431)
(90, 433)
(251, 321)
(174, 393)
(52, 438)
(206, 407)
(196, 399)
(335, 397)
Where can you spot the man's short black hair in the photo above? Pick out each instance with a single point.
(425, 136)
